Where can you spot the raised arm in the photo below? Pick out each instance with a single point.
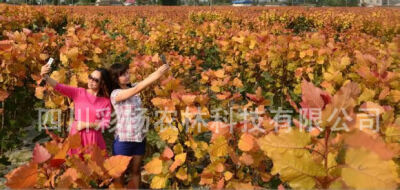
(126, 93)
(66, 90)
(45, 76)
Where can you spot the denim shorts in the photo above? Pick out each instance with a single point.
(128, 148)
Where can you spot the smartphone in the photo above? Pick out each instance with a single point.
(50, 61)
(163, 59)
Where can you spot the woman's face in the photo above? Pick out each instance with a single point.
(124, 78)
(94, 80)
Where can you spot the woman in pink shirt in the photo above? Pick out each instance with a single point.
(92, 106)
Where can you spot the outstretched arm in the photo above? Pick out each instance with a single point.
(45, 75)
(66, 90)
(126, 93)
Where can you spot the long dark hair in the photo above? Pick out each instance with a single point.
(116, 70)
(105, 84)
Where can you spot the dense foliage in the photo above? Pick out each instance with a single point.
(341, 61)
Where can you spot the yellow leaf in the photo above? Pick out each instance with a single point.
(43, 56)
(228, 175)
(392, 134)
(158, 182)
(218, 148)
(39, 92)
(180, 158)
(73, 81)
(293, 141)
(238, 39)
(64, 59)
(73, 53)
(365, 170)
(182, 174)
(320, 60)
(302, 54)
(298, 171)
(252, 43)
(366, 95)
(96, 59)
(59, 75)
(178, 148)
(395, 95)
(344, 62)
(154, 166)
(170, 134)
(215, 88)
(292, 161)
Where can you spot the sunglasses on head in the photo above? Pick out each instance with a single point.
(94, 79)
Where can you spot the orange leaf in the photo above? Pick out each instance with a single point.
(224, 95)
(154, 166)
(116, 165)
(96, 160)
(221, 183)
(237, 83)
(219, 168)
(62, 153)
(246, 142)
(179, 160)
(53, 136)
(39, 92)
(188, 99)
(218, 128)
(167, 153)
(3, 95)
(247, 159)
(69, 176)
(220, 73)
(372, 142)
(74, 140)
(23, 177)
(81, 166)
(372, 108)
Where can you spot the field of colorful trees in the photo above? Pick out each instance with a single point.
(288, 97)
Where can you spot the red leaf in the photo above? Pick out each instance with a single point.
(40, 154)
(313, 97)
(56, 162)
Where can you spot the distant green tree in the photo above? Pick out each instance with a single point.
(169, 2)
